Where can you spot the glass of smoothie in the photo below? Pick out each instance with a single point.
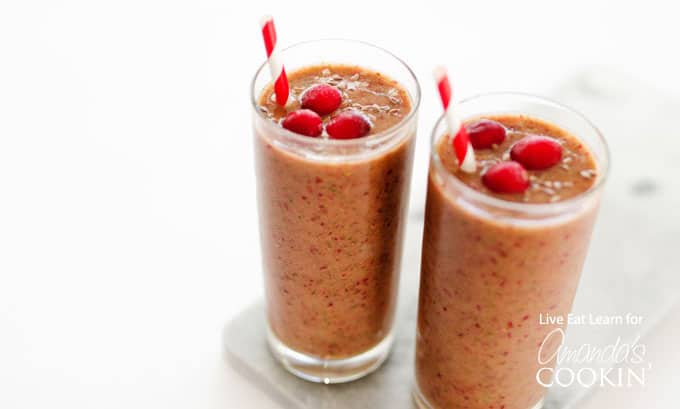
(333, 171)
(503, 247)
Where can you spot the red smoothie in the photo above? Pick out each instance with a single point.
(490, 267)
(332, 208)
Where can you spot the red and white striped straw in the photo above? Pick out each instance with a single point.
(274, 60)
(461, 141)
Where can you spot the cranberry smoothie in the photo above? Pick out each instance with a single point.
(331, 225)
(484, 278)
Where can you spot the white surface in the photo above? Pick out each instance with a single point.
(127, 214)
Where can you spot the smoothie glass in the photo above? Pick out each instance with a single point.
(332, 216)
(490, 267)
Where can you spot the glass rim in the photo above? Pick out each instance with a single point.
(370, 139)
(540, 208)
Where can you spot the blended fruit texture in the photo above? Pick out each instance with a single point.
(573, 175)
(485, 281)
(380, 98)
(332, 230)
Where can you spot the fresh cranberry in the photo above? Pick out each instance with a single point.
(506, 177)
(537, 152)
(348, 125)
(303, 121)
(321, 98)
(485, 133)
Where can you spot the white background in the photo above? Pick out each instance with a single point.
(127, 210)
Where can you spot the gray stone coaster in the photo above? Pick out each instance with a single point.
(631, 266)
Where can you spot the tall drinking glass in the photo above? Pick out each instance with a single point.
(332, 216)
(491, 267)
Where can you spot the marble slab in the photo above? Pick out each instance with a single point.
(631, 267)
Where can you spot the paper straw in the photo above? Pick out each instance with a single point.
(274, 61)
(461, 141)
